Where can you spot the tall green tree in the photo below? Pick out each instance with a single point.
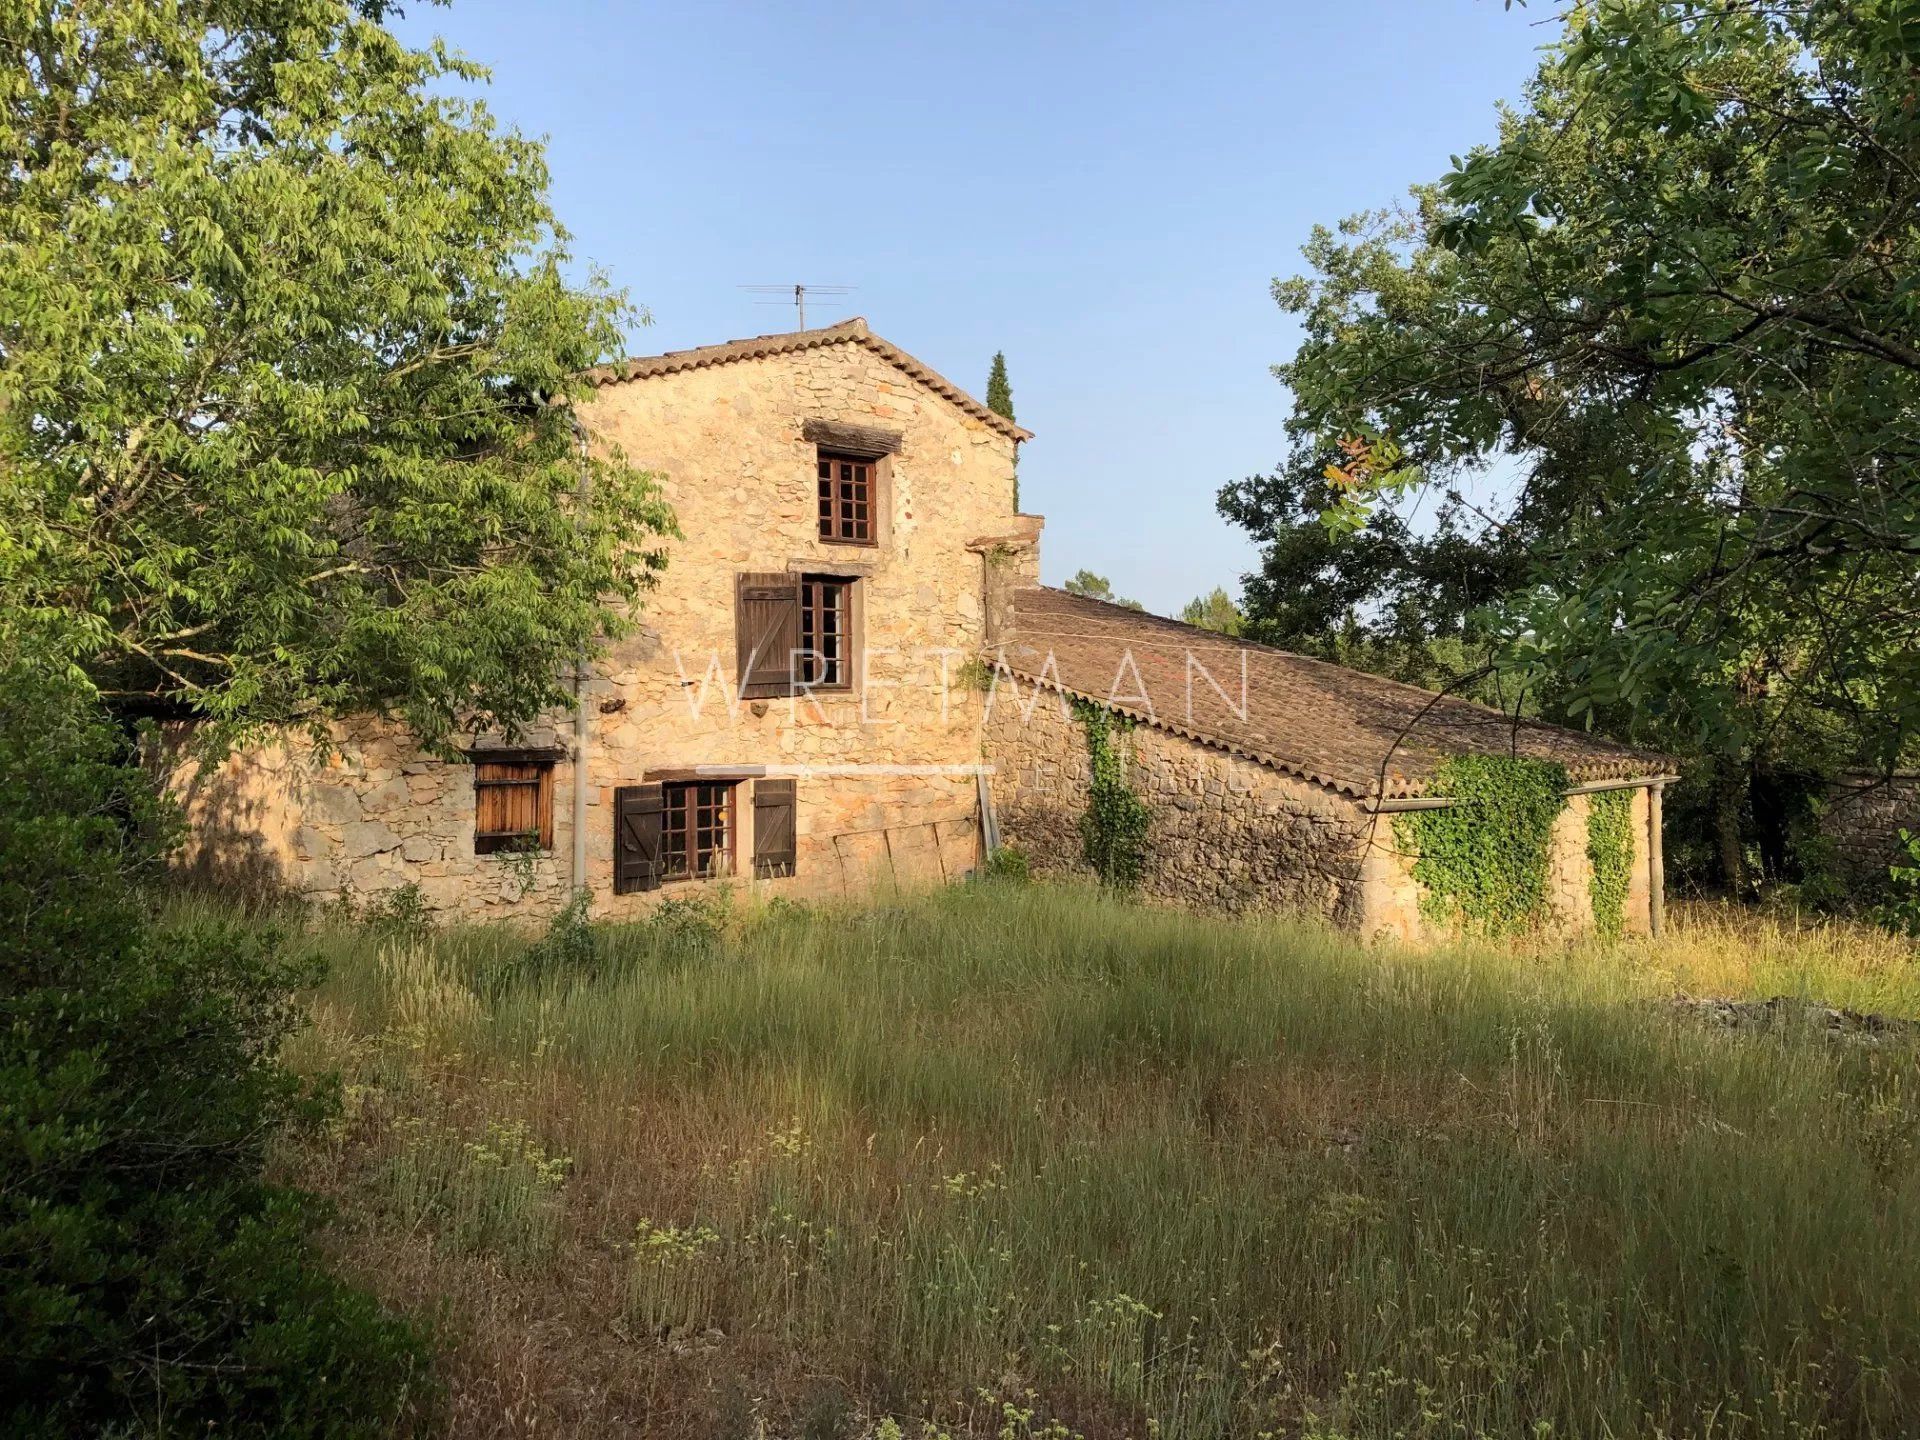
(1098, 587)
(1215, 611)
(286, 335)
(1000, 401)
(1660, 340)
(999, 390)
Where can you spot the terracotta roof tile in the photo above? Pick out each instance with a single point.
(847, 332)
(1363, 735)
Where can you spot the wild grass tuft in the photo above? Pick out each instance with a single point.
(1024, 1156)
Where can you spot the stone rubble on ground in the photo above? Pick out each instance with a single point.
(1787, 1010)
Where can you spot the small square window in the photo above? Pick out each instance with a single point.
(512, 805)
(846, 499)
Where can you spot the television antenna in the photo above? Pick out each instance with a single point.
(797, 296)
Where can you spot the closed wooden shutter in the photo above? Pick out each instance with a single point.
(512, 806)
(766, 632)
(774, 835)
(636, 838)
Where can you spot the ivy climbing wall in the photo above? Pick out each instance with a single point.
(1073, 786)
(1220, 833)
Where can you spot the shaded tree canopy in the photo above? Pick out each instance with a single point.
(283, 325)
(1651, 364)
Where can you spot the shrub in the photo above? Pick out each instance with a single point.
(150, 1278)
(1900, 912)
(1009, 865)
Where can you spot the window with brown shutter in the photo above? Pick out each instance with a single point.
(696, 829)
(512, 805)
(766, 623)
(774, 830)
(638, 811)
(793, 632)
(847, 499)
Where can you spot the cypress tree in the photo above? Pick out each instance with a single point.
(1000, 401)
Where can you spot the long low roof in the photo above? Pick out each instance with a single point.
(1363, 735)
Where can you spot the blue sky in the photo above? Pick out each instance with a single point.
(1105, 192)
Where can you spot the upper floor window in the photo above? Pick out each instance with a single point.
(826, 605)
(795, 633)
(846, 499)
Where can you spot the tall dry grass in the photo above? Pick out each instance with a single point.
(1031, 1161)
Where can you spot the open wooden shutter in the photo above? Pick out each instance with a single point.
(774, 846)
(636, 838)
(766, 627)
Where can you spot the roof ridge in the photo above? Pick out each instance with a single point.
(854, 331)
(1334, 725)
(1374, 676)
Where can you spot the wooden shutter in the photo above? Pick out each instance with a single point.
(766, 627)
(512, 805)
(774, 835)
(636, 838)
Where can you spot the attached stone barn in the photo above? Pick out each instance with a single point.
(1272, 779)
(802, 710)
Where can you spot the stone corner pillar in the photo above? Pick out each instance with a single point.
(1009, 562)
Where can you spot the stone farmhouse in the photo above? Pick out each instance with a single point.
(849, 677)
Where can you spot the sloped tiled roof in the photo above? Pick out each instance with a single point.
(1363, 735)
(847, 332)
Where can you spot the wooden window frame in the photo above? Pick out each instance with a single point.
(823, 622)
(846, 518)
(689, 809)
(489, 777)
(778, 620)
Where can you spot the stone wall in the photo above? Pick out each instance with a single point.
(886, 786)
(1863, 818)
(1232, 835)
(1227, 834)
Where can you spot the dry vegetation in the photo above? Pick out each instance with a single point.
(1026, 1161)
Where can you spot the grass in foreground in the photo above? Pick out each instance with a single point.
(1030, 1162)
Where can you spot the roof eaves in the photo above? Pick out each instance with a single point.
(1345, 788)
(847, 332)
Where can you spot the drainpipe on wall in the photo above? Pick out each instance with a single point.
(580, 745)
(1656, 862)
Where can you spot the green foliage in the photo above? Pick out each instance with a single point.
(1610, 856)
(149, 1278)
(1900, 911)
(1000, 401)
(999, 391)
(497, 1191)
(281, 315)
(1651, 353)
(1482, 861)
(1009, 865)
(1098, 587)
(1113, 830)
(1081, 1153)
(1216, 611)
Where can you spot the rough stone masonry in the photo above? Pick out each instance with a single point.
(839, 497)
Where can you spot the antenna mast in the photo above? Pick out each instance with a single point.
(796, 296)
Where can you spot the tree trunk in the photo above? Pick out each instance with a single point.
(1729, 790)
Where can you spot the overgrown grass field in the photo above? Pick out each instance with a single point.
(1028, 1161)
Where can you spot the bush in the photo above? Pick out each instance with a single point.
(1900, 912)
(150, 1278)
(1009, 865)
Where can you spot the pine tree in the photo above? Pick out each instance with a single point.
(1000, 401)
